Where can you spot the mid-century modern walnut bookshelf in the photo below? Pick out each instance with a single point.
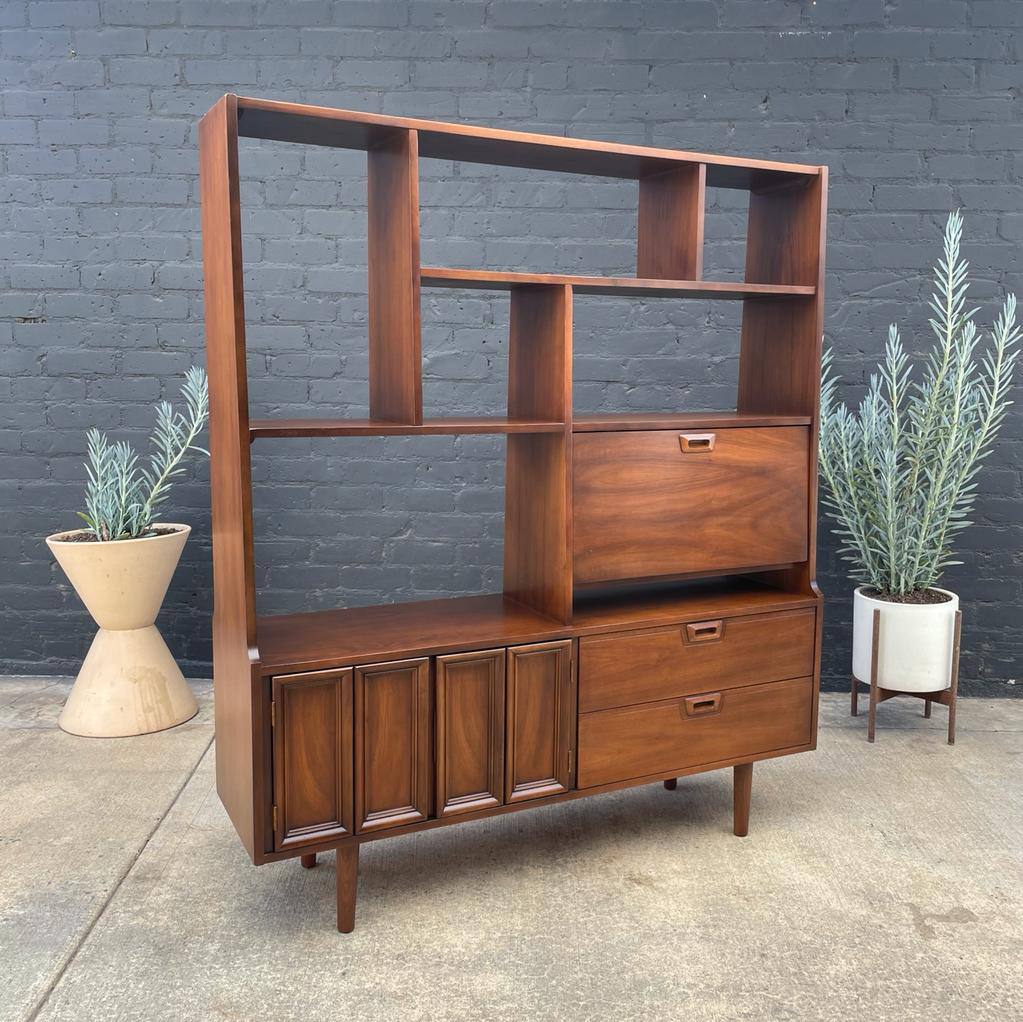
(659, 614)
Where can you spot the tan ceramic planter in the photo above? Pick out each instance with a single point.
(129, 683)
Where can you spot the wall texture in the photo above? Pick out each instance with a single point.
(914, 104)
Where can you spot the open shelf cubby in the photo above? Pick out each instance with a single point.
(659, 612)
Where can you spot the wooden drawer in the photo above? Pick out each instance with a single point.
(660, 502)
(654, 738)
(639, 667)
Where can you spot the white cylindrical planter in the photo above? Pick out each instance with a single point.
(915, 648)
(129, 683)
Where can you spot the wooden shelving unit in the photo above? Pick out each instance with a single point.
(659, 614)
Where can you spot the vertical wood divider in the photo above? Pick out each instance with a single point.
(538, 490)
(395, 347)
(239, 775)
(669, 237)
(780, 355)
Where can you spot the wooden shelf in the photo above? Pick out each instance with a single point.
(362, 635)
(500, 280)
(392, 631)
(350, 129)
(680, 420)
(264, 428)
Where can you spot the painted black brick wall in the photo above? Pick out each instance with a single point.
(914, 104)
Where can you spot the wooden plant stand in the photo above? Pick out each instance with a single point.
(947, 697)
(659, 614)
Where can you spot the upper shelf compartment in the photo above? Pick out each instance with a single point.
(488, 280)
(349, 129)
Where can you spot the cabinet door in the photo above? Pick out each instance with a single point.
(540, 720)
(312, 757)
(660, 502)
(470, 731)
(392, 744)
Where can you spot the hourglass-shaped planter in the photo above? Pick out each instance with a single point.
(129, 683)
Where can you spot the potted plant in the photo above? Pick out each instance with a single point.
(121, 565)
(900, 476)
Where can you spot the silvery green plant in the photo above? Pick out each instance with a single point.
(121, 494)
(900, 474)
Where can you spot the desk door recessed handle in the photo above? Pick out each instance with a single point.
(701, 706)
(696, 443)
(705, 631)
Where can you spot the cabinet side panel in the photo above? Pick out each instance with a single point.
(779, 364)
(537, 524)
(540, 352)
(234, 616)
(538, 518)
(395, 369)
(670, 229)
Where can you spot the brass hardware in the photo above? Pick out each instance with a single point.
(275, 819)
(696, 443)
(273, 713)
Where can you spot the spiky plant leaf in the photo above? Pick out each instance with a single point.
(121, 497)
(900, 474)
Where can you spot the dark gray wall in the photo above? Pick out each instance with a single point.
(914, 105)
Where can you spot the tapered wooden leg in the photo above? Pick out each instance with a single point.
(309, 861)
(742, 789)
(671, 783)
(872, 715)
(927, 709)
(855, 697)
(954, 690)
(347, 885)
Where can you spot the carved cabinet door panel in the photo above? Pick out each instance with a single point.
(540, 716)
(470, 731)
(312, 757)
(393, 750)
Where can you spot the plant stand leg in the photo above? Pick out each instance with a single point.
(347, 885)
(855, 697)
(671, 783)
(954, 688)
(309, 861)
(872, 716)
(927, 709)
(742, 790)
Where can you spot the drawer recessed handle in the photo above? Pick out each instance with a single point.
(705, 631)
(696, 443)
(702, 706)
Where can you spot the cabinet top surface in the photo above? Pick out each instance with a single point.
(334, 638)
(352, 129)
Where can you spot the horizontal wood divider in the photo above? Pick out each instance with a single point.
(351, 129)
(501, 280)
(267, 428)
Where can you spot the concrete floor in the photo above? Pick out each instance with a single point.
(878, 882)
